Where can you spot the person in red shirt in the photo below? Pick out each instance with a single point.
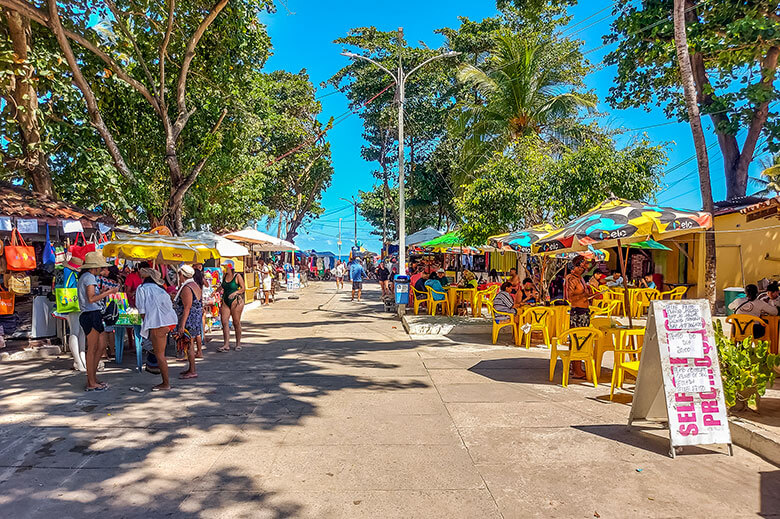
(133, 281)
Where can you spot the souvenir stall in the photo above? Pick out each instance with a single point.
(36, 231)
(259, 241)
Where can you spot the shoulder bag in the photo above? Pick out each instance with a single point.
(67, 298)
(19, 256)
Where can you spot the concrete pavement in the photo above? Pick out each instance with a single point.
(331, 410)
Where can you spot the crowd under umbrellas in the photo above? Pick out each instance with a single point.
(170, 307)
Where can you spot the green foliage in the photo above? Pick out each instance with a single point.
(538, 183)
(747, 369)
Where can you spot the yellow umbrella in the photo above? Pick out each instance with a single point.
(159, 248)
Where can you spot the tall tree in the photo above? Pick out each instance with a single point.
(733, 47)
(152, 48)
(702, 161)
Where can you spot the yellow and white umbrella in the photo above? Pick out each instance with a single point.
(159, 248)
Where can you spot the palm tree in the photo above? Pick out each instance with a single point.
(530, 90)
(772, 173)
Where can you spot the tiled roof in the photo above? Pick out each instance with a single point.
(735, 205)
(23, 203)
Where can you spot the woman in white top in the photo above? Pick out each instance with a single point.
(266, 280)
(339, 272)
(154, 305)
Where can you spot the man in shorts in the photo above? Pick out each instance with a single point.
(356, 273)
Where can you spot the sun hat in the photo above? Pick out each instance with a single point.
(151, 273)
(187, 271)
(74, 263)
(441, 270)
(94, 260)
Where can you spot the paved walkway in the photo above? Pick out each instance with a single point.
(332, 411)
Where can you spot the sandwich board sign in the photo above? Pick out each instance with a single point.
(679, 375)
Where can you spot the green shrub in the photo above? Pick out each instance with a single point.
(747, 369)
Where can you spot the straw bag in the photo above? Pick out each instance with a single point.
(7, 300)
(18, 283)
(19, 256)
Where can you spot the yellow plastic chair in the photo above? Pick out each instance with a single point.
(433, 304)
(604, 309)
(617, 295)
(742, 325)
(420, 298)
(642, 300)
(483, 296)
(581, 345)
(627, 357)
(501, 320)
(539, 319)
(560, 319)
(675, 294)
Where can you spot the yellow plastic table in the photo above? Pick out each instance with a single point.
(454, 291)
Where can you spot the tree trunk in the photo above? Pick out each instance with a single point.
(689, 88)
(34, 162)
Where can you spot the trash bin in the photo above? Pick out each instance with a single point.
(401, 290)
(730, 294)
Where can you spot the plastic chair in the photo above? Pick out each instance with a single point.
(630, 347)
(617, 295)
(604, 310)
(483, 296)
(675, 294)
(420, 298)
(582, 341)
(642, 300)
(434, 303)
(540, 319)
(742, 325)
(561, 319)
(501, 320)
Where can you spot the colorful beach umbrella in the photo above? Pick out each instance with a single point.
(523, 240)
(617, 220)
(159, 248)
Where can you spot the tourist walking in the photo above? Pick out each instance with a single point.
(232, 305)
(384, 279)
(189, 307)
(266, 279)
(91, 318)
(356, 273)
(339, 272)
(154, 305)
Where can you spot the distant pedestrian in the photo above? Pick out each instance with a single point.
(232, 306)
(190, 310)
(339, 272)
(356, 273)
(383, 275)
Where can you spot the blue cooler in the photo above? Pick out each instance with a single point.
(401, 290)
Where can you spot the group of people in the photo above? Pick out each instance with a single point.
(758, 304)
(171, 305)
(357, 272)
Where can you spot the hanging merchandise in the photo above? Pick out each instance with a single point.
(19, 256)
(59, 255)
(49, 257)
(18, 283)
(80, 251)
(67, 296)
(7, 300)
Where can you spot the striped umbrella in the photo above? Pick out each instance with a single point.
(159, 248)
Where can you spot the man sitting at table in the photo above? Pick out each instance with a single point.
(752, 305)
(615, 280)
(435, 284)
(528, 294)
(419, 285)
(514, 280)
(504, 302)
(443, 279)
(772, 294)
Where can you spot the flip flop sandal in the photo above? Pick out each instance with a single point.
(188, 375)
(99, 388)
(223, 350)
(238, 348)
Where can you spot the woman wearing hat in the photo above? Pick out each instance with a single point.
(190, 310)
(91, 318)
(154, 305)
(232, 304)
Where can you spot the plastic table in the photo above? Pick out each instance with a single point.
(119, 342)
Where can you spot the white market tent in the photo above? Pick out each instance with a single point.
(421, 236)
(261, 241)
(226, 248)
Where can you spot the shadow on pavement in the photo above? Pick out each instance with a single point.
(123, 454)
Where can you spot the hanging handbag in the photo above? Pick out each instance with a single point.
(19, 256)
(49, 257)
(18, 283)
(67, 298)
(7, 300)
(59, 255)
(80, 251)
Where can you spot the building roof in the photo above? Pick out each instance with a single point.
(17, 201)
(735, 205)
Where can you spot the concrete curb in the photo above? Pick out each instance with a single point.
(442, 325)
(38, 352)
(755, 439)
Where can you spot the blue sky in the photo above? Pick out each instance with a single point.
(303, 40)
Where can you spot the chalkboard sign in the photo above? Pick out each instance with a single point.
(679, 375)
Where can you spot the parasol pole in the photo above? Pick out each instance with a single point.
(626, 306)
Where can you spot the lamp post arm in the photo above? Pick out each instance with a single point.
(432, 58)
(358, 56)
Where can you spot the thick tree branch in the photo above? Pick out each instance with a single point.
(42, 18)
(202, 162)
(86, 90)
(189, 55)
(164, 51)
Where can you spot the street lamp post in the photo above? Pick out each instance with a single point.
(400, 78)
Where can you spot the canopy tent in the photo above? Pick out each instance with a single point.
(421, 236)
(226, 248)
(616, 222)
(261, 241)
(159, 248)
